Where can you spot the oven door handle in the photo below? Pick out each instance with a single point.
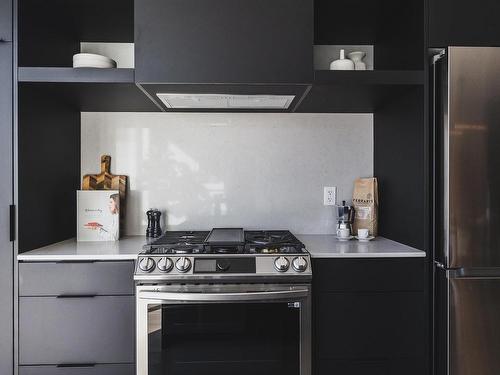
(225, 297)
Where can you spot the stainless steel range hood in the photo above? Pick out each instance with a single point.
(225, 101)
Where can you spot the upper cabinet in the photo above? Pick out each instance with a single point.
(224, 41)
(6, 20)
(463, 23)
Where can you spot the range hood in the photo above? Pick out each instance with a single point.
(225, 101)
(225, 97)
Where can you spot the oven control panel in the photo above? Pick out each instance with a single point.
(166, 267)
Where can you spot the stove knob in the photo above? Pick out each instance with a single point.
(147, 264)
(165, 264)
(183, 264)
(299, 264)
(223, 265)
(281, 264)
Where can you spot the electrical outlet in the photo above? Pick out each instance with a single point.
(330, 196)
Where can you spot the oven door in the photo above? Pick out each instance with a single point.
(223, 329)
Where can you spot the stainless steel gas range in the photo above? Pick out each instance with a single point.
(227, 301)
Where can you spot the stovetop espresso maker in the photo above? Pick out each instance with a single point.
(345, 219)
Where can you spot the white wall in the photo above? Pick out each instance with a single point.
(246, 170)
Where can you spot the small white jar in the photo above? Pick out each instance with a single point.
(342, 63)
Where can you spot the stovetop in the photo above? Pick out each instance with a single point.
(226, 241)
(224, 254)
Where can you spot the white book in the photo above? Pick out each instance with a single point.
(98, 215)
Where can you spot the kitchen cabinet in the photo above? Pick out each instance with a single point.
(76, 330)
(463, 23)
(119, 369)
(6, 20)
(6, 199)
(80, 315)
(369, 316)
(224, 41)
(81, 278)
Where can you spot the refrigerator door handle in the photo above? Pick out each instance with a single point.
(440, 265)
(474, 273)
(438, 56)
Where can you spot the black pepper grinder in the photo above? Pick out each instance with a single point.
(156, 223)
(154, 228)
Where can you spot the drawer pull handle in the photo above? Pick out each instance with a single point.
(76, 296)
(76, 365)
(75, 261)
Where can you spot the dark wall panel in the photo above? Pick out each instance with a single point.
(224, 41)
(49, 168)
(464, 23)
(394, 27)
(50, 32)
(399, 157)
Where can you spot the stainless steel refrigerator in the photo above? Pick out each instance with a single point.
(466, 111)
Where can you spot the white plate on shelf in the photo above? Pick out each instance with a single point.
(91, 60)
(344, 239)
(366, 239)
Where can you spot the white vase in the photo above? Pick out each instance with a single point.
(357, 58)
(342, 63)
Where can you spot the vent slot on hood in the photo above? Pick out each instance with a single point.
(221, 101)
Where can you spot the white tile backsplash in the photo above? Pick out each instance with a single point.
(234, 169)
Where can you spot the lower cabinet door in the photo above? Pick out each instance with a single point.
(119, 369)
(65, 331)
(370, 325)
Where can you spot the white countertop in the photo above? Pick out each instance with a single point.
(125, 249)
(327, 246)
(319, 245)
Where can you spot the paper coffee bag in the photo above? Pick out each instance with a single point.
(365, 202)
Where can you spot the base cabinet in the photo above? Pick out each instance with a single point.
(369, 317)
(119, 369)
(77, 328)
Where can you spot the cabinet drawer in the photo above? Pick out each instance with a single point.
(76, 330)
(371, 275)
(121, 369)
(93, 278)
(6, 20)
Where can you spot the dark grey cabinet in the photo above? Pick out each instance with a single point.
(62, 331)
(76, 318)
(117, 369)
(463, 23)
(67, 279)
(369, 317)
(6, 246)
(6, 20)
(224, 41)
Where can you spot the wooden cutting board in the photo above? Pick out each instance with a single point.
(107, 181)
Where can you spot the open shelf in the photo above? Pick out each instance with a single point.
(338, 91)
(394, 28)
(72, 75)
(50, 32)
